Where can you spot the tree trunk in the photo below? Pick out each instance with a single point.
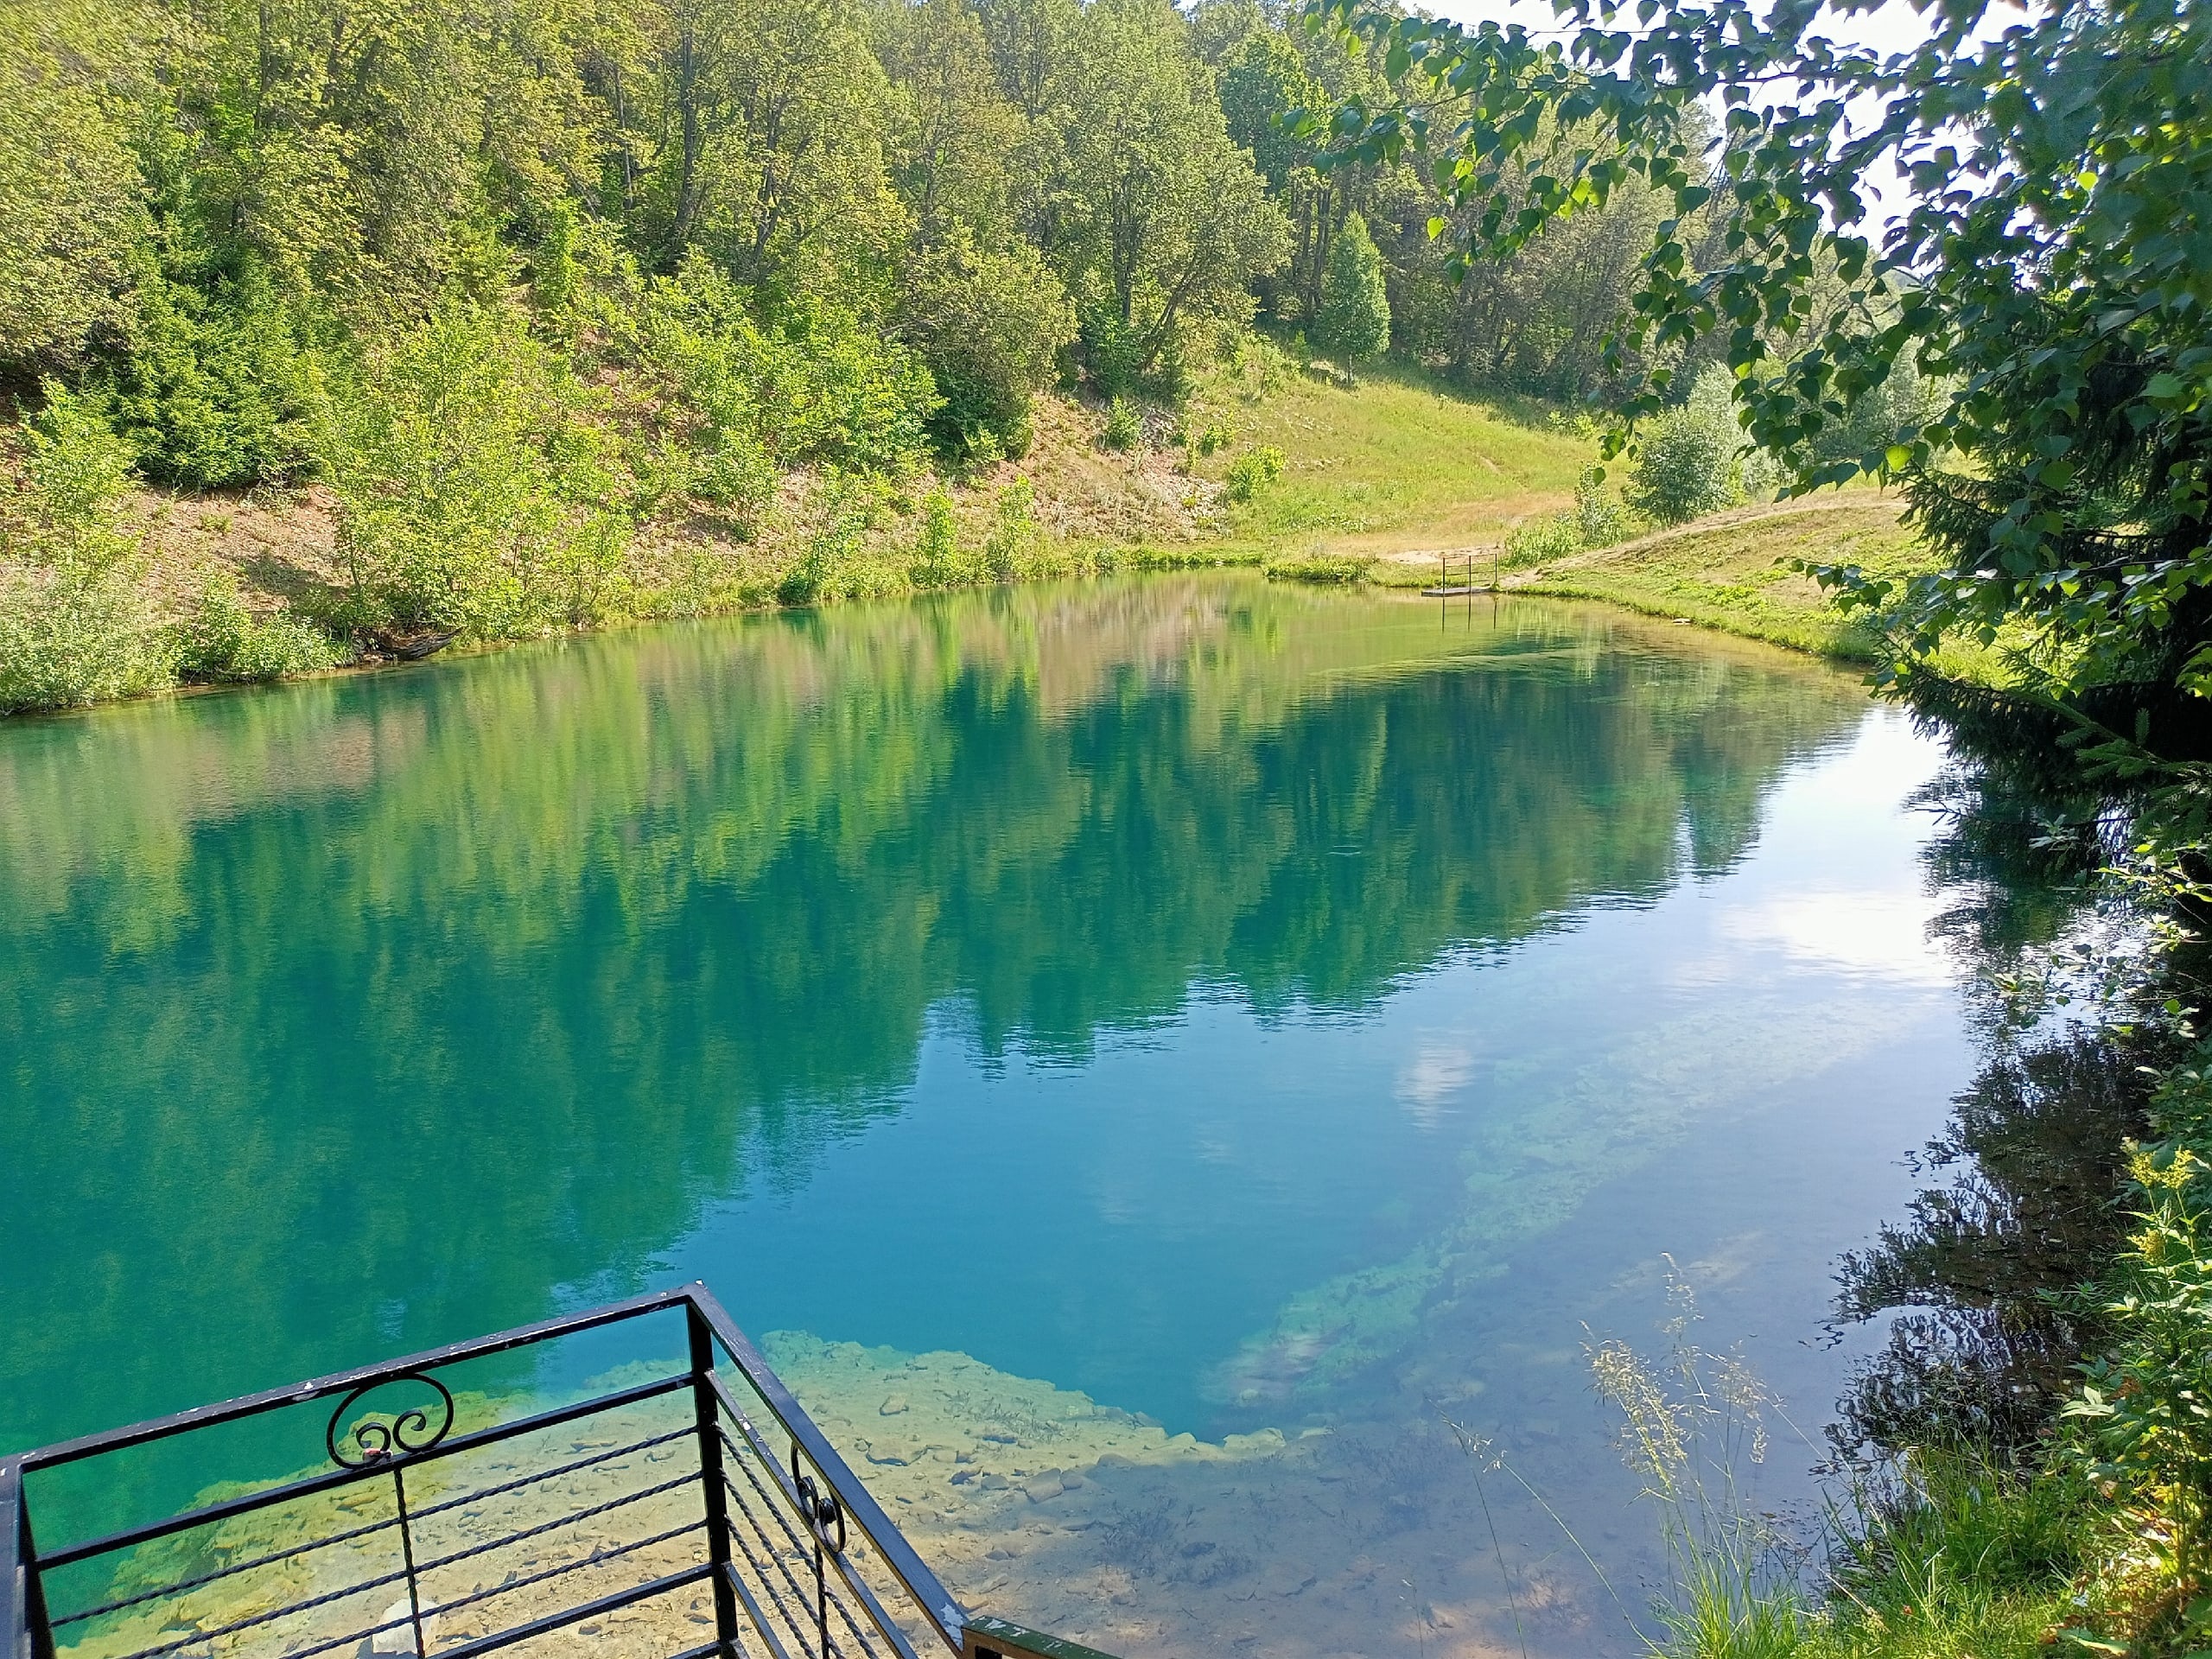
(687, 113)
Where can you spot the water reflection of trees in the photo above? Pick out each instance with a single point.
(373, 1013)
(2022, 1205)
(1987, 1342)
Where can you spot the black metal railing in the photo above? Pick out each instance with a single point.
(695, 1512)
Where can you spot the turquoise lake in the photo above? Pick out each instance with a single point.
(1299, 1020)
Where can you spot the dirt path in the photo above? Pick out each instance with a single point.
(1854, 501)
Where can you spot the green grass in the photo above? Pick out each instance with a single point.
(1325, 570)
(1962, 1561)
(1398, 462)
(1735, 575)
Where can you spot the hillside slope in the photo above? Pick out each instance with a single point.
(1397, 462)
(1394, 462)
(1732, 571)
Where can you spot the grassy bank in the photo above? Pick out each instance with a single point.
(1265, 463)
(1733, 572)
(2093, 1540)
(1395, 465)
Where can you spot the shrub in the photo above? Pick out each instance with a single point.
(835, 390)
(558, 276)
(224, 641)
(1345, 570)
(473, 492)
(938, 561)
(1759, 476)
(74, 627)
(1112, 350)
(816, 388)
(1015, 535)
(1124, 426)
(2145, 1409)
(215, 392)
(1258, 368)
(835, 562)
(1254, 471)
(1686, 461)
(990, 323)
(73, 636)
(1600, 519)
(1219, 435)
(1539, 541)
(74, 471)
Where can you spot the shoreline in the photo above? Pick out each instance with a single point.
(1088, 564)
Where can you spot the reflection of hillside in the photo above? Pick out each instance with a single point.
(376, 1013)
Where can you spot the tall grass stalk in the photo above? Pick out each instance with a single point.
(1484, 1453)
(1943, 1554)
(1692, 1421)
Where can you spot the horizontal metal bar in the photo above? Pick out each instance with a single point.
(70, 1554)
(521, 1336)
(354, 1639)
(273, 1614)
(551, 1622)
(928, 1591)
(347, 1536)
(131, 1536)
(553, 1473)
(230, 1572)
(597, 1558)
(543, 1528)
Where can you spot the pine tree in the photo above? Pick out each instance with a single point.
(1354, 319)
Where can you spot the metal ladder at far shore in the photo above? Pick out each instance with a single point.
(1467, 588)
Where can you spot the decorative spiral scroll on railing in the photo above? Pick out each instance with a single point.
(825, 1518)
(383, 1436)
(820, 1509)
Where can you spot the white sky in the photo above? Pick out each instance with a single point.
(1891, 27)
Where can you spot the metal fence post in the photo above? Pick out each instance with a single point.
(15, 1599)
(708, 1412)
(24, 1632)
(407, 1559)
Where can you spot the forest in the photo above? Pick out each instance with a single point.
(566, 305)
